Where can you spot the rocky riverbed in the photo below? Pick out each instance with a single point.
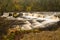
(32, 29)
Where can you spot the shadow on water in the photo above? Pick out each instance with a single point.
(52, 27)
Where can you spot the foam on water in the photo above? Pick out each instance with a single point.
(49, 20)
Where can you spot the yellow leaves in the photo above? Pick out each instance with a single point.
(28, 8)
(18, 7)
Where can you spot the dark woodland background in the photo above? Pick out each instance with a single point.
(29, 5)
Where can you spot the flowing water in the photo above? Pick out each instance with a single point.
(32, 20)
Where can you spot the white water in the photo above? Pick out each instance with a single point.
(49, 20)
